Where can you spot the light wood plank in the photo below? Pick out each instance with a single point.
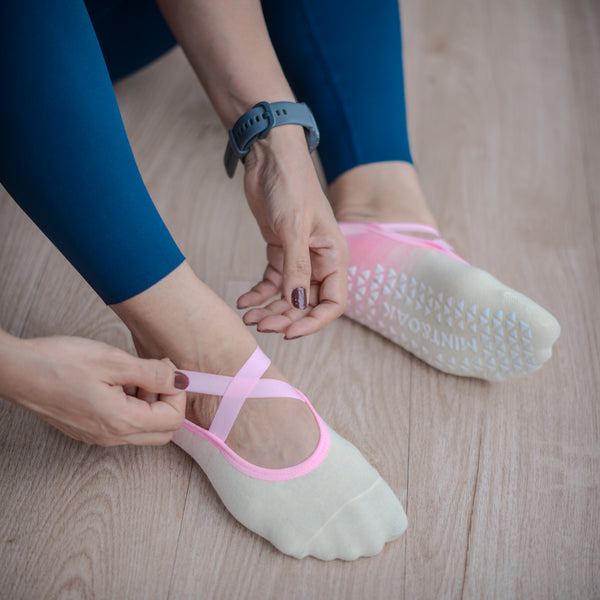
(501, 482)
(24, 253)
(583, 30)
(514, 467)
(369, 408)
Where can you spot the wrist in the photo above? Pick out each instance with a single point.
(257, 123)
(287, 142)
(233, 104)
(13, 359)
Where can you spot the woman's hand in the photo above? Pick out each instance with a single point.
(307, 256)
(228, 45)
(88, 389)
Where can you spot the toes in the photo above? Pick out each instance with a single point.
(361, 527)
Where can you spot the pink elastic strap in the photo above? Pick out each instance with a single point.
(264, 473)
(237, 391)
(215, 385)
(349, 227)
(395, 232)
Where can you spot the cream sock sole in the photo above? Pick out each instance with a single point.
(455, 317)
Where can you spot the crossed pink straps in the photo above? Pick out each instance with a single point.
(398, 231)
(247, 383)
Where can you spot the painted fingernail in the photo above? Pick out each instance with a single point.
(267, 331)
(292, 338)
(181, 380)
(299, 298)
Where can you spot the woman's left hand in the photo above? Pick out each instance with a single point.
(307, 255)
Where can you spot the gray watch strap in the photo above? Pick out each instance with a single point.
(258, 121)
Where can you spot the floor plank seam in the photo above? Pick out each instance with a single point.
(582, 152)
(33, 295)
(187, 493)
(462, 591)
(591, 213)
(410, 398)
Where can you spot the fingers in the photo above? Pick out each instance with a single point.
(138, 422)
(156, 412)
(327, 302)
(256, 316)
(164, 416)
(296, 269)
(333, 293)
(262, 291)
(150, 374)
(320, 316)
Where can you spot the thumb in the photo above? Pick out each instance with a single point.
(296, 271)
(152, 375)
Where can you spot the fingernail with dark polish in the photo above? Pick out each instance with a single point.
(267, 331)
(299, 298)
(181, 380)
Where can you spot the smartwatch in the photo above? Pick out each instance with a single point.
(259, 120)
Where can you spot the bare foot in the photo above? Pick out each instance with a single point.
(380, 192)
(180, 317)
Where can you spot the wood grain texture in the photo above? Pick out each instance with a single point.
(501, 483)
(24, 253)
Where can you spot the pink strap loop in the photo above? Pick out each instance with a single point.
(215, 385)
(247, 383)
(237, 391)
(348, 227)
(398, 231)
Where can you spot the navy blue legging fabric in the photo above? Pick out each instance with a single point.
(64, 153)
(344, 59)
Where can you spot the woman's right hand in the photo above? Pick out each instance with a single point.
(305, 248)
(92, 391)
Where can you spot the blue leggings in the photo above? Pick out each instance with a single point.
(64, 153)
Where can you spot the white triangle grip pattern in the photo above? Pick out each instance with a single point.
(454, 316)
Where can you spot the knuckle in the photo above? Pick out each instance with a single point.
(161, 375)
(115, 428)
(115, 358)
(299, 265)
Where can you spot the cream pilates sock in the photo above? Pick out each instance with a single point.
(456, 317)
(332, 505)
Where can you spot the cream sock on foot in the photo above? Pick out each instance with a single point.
(332, 505)
(457, 318)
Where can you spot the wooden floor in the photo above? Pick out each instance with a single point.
(501, 483)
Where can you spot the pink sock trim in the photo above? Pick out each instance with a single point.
(398, 231)
(252, 470)
(246, 382)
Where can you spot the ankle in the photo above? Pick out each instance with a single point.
(183, 319)
(380, 192)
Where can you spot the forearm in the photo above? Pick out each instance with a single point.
(14, 358)
(228, 46)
